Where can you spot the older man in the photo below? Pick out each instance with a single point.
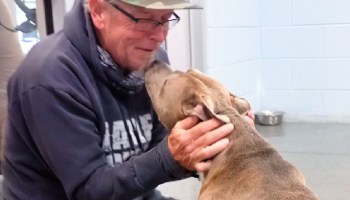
(81, 125)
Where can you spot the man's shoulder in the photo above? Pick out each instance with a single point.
(52, 62)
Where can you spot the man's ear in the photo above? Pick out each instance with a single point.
(96, 12)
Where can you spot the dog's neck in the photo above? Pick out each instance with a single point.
(245, 141)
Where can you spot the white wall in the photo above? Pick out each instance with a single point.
(59, 8)
(305, 59)
(283, 54)
(233, 45)
(178, 43)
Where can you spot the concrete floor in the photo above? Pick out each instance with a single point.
(320, 150)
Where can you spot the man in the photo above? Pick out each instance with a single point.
(80, 123)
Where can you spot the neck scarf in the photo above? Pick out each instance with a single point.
(124, 81)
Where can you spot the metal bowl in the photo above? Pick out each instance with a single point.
(269, 118)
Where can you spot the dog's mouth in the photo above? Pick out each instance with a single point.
(159, 68)
(151, 65)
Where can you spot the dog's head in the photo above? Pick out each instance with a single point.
(176, 95)
(171, 92)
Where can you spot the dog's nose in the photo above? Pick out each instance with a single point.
(155, 62)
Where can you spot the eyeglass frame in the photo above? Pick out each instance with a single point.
(136, 20)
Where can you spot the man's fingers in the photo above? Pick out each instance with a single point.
(214, 135)
(212, 150)
(209, 152)
(203, 166)
(192, 143)
(249, 117)
(204, 127)
(187, 123)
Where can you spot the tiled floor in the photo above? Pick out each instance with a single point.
(321, 151)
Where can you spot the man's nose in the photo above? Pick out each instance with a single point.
(159, 34)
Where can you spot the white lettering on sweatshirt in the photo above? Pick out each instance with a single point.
(126, 138)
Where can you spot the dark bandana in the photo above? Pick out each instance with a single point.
(126, 82)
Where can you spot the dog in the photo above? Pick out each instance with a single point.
(250, 168)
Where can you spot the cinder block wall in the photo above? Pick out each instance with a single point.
(305, 59)
(290, 55)
(233, 45)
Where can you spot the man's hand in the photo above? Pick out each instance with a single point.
(249, 117)
(192, 143)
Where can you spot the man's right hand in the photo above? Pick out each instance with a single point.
(193, 143)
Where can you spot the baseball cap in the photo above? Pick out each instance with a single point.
(163, 4)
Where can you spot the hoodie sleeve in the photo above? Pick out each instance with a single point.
(63, 130)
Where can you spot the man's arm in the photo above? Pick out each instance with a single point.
(63, 128)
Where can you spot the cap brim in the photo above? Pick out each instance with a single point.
(163, 4)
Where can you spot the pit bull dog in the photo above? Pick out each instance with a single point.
(250, 168)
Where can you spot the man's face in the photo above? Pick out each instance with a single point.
(131, 49)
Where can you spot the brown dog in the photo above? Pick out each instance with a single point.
(250, 168)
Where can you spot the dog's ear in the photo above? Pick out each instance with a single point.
(240, 104)
(203, 108)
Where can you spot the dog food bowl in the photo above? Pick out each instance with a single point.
(269, 118)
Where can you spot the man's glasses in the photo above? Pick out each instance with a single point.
(148, 25)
